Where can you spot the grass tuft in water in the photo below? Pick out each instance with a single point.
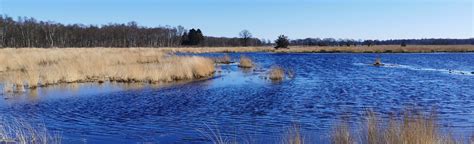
(293, 136)
(245, 62)
(223, 60)
(276, 73)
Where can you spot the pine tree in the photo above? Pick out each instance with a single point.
(282, 42)
(185, 39)
(199, 37)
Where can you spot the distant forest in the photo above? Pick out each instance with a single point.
(350, 42)
(29, 32)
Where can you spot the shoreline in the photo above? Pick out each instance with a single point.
(301, 49)
(332, 49)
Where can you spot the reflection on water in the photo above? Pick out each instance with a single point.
(243, 105)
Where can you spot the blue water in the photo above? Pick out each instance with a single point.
(241, 105)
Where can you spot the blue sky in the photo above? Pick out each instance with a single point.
(355, 19)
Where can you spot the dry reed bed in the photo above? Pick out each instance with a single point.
(331, 49)
(381, 49)
(31, 68)
(18, 131)
(411, 128)
(216, 49)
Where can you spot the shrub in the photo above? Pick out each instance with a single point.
(282, 42)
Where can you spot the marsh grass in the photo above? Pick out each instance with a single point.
(223, 60)
(380, 49)
(276, 73)
(19, 131)
(411, 128)
(293, 135)
(245, 62)
(31, 68)
(217, 49)
(332, 49)
(213, 134)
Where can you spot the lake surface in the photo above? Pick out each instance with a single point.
(242, 105)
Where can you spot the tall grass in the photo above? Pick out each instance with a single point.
(31, 68)
(19, 131)
(276, 73)
(217, 49)
(245, 62)
(411, 128)
(333, 49)
(380, 49)
(293, 136)
(223, 60)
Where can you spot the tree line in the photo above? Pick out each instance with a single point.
(351, 42)
(29, 32)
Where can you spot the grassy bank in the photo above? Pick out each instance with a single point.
(31, 68)
(333, 49)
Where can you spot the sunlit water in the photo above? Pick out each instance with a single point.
(241, 105)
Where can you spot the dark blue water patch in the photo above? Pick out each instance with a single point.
(240, 104)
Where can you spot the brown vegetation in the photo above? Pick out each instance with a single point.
(293, 136)
(19, 131)
(333, 49)
(31, 68)
(245, 62)
(216, 49)
(276, 73)
(223, 60)
(381, 49)
(413, 128)
(410, 128)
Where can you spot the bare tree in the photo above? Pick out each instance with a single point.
(245, 36)
(28, 32)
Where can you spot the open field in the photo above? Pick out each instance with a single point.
(333, 49)
(31, 68)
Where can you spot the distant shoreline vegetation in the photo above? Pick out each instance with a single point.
(29, 32)
(328, 49)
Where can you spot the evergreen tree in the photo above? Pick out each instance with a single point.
(403, 44)
(199, 37)
(192, 37)
(185, 39)
(282, 42)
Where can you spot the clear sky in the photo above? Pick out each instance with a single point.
(355, 19)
